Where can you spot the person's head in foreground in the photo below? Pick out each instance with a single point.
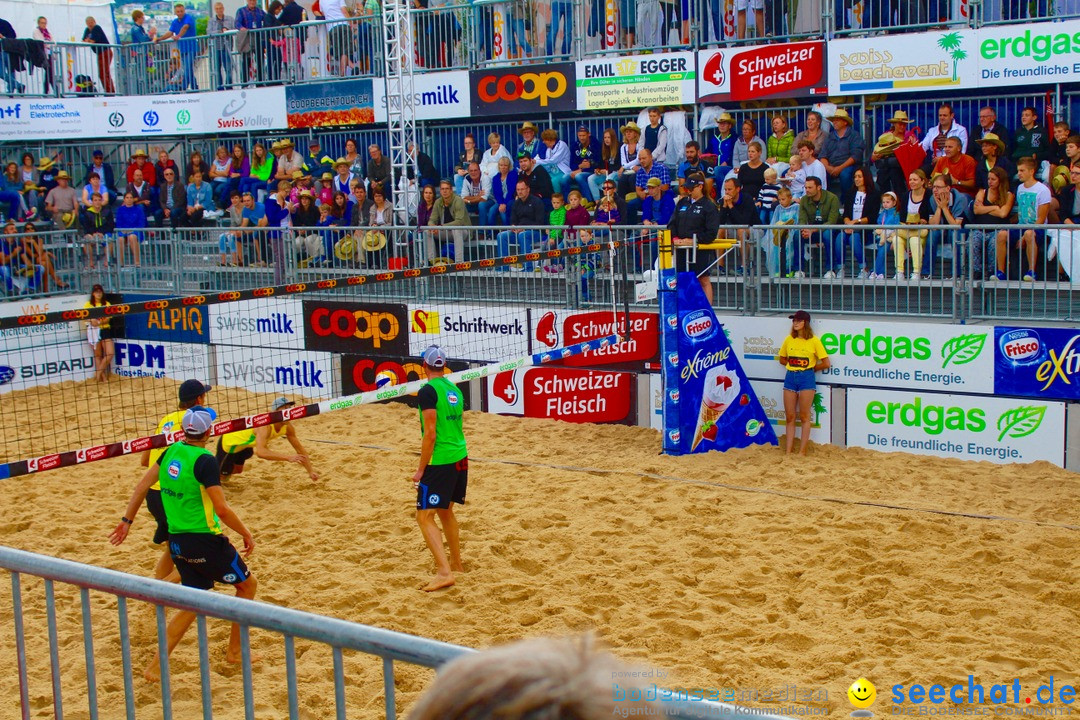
(538, 679)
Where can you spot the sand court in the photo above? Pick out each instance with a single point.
(746, 570)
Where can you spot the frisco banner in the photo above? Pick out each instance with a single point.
(992, 56)
(765, 71)
(920, 356)
(636, 81)
(1000, 430)
(1037, 362)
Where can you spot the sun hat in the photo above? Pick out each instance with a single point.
(526, 126)
(899, 117)
(994, 140)
(631, 127)
(725, 117)
(841, 114)
(374, 240)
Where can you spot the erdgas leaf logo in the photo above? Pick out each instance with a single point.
(962, 349)
(1020, 421)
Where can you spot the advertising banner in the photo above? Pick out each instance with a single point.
(559, 328)
(357, 328)
(766, 71)
(1028, 54)
(32, 336)
(190, 324)
(523, 90)
(592, 396)
(920, 356)
(482, 333)
(770, 394)
(636, 81)
(904, 63)
(138, 116)
(179, 361)
(1042, 363)
(247, 110)
(277, 323)
(45, 366)
(310, 374)
(341, 102)
(437, 96)
(1001, 430)
(24, 119)
(709, 404)
(358, 374)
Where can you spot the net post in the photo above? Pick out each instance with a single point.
(667, 293)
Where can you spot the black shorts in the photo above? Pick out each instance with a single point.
(442, 485)
(705, 258)
(153, 504)
(106, 333)
(230, 462)
(340, 41)
(203, 559)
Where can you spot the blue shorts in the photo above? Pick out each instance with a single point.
(1016, 234)
(799, 380)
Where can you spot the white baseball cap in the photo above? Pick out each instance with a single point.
(197, 421)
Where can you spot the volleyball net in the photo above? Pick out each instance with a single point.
(321, 344)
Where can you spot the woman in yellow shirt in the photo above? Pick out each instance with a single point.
(802, 354)
(99, 335)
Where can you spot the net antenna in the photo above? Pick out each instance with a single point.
(401, 100)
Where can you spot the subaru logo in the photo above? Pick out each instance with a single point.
(7, 374)
(150, 118)
(183, 117)
(116, 119)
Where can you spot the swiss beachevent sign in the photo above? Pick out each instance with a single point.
(1037, 362)
(920, 356)
(764, 71)
(1001, 430)
(960, 59)
(636, 81)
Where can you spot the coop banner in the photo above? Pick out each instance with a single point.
(525, 89)
(341, 102)
(765, 71)
(359, 373)
(636, 81)
(1000, 430)
(709, 404)
(919, 356)
(1037, 362)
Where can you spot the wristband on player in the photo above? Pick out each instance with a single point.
(124, 519)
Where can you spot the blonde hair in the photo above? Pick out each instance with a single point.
(538, 678)
(770, 175)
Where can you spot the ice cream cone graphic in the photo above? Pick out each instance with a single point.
(720, 390)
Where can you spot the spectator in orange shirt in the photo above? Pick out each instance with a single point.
(958, 166)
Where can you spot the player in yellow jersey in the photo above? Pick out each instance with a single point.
(236, 448)
(191, 393)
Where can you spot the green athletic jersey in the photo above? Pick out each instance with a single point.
(448, 405)
(183, 489)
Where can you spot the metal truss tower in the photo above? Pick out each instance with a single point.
(400, 56)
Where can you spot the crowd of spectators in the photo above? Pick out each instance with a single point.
(949, 188)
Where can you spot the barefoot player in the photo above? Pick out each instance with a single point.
(236, 448)
(192, 393)
(193, 500)
(443, 475)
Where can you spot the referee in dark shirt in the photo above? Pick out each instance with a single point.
(738, 211)
(695, 218)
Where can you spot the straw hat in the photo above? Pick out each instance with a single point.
(725, 117)
(841, 114)
(327, 176)
(374, 240)
(345, 248)
(46, 164)
(29, 185)
(630, 127)
(63, 175)
(276, 145)
(341, 161)
(287, 143)
(297, 174)
(305, 193)
(887, 144)
(68, 219)
(899, 117)
(994, 140)
(527, 126)
(139, 153)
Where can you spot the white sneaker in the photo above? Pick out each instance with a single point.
(799, 274)
(898, 276)
(840, 274)
(829, 275)
(863, 275)
(915, 277)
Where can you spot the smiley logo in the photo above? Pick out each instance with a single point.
(862, 695)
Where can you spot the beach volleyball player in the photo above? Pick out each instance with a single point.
(236, 448)
(443, 475)
(194, 501)
(191, 393)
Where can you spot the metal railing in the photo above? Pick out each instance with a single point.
(487, 32)
(774, 268)
(291, 625)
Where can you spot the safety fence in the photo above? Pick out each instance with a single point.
(977, 273)
(340, 636)
(463, 36)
